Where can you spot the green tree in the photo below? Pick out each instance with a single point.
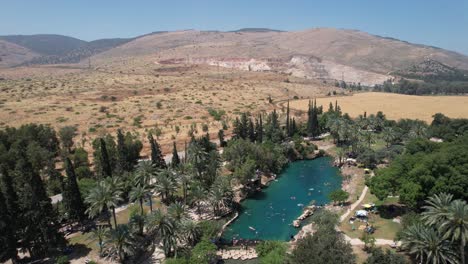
(288, 127)
(7, 236)
(121, 241)
(100, 234)
(339, 196)
(428, 245)
(450, 217)
(222, 143)
(204, 252)
(177, 211)
(162, 226)
(190, 232)
(122, 153)
(156, 154)
(71, 194)
(165, 185)
(325, 246)
(197, 195)
(140, 193)
(378, 256)
(259, 130)
(106, 195)
(175, 156)
(38, 217)
(106, 170)
(66, 135)
(184, 177)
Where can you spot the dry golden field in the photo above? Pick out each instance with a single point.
(395, 106)
(140, 96)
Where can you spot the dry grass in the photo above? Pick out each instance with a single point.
(395, 106)
(127, 95)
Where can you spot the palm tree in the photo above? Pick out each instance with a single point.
(197, 156)
(388, 135)
(137, 221)
(456, 225)
(436, 208)
(367, 137)
(106, 195)
(145, 173)
(177, 211)
(100, 234)
(190, 232)
(450, 217)
(197, 195)
(121, 241)
(159, 224)
(184, 177)
(428, 245)
(139, 193)
(165, 185)
(221, 196)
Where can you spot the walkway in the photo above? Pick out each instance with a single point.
(357, 241)
(355, 204)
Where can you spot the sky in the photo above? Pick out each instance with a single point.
(440, 23)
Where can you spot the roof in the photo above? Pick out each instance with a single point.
(56, 198)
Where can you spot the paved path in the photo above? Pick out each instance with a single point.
(357, 241)
(355, 204)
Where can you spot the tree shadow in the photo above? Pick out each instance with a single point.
(79, 251)
(258, 196)
(391, 211)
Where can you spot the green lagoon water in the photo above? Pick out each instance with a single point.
(272, 211)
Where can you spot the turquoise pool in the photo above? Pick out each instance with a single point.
(268, 215)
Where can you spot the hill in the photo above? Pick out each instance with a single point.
(323, 53)
(45, 44)
(327, 54)
(18, 50)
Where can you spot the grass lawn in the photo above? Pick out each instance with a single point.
(385, 227)
(123, 216)
(378, 144)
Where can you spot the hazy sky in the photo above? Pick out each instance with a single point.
(441, 23)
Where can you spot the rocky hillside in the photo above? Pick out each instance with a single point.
(322, 53)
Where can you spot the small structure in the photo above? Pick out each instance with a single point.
(56, 198)
(361, 213)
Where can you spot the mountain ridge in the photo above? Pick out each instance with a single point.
(324, 53)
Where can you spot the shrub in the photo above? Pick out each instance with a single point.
(62, 260)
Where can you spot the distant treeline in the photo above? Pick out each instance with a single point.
(405, 86)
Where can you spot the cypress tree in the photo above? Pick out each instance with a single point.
(330, 108)
(71, 194)
(222, 143)
(293, 127)
(121, 153)
(288, 131)
(156, 155)
(312, 122)
(185, 151)
(244, 126)
(251, 130)
(9, 193)
(7, 237)
(259, 132)
(40, 232)
(175, 156)
(106, 168)
(237, 130)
